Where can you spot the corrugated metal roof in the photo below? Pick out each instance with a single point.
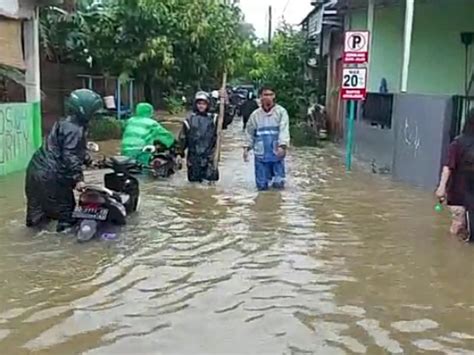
(325, 14)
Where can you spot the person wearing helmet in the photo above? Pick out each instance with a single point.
(216, 97)
(247, 108)
(142, 130)
(198, 139)
(56, 168)
(214, 102)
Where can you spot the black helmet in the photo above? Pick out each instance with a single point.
(83, 104)
(202, 95)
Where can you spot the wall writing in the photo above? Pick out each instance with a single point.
(16, 136)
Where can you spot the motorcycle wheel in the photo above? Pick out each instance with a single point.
(87, 230)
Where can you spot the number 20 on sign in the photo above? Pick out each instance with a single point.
(354, 84)
(354, 87)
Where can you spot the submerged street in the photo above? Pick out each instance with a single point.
(336, 264)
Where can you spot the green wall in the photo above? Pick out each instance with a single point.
(437, 65)
(437, 55)
(20, 135)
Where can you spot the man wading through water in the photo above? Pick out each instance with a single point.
(268, 135)
(457, 179)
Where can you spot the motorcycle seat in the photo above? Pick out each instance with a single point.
(119, 162)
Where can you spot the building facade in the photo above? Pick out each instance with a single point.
(420, 82)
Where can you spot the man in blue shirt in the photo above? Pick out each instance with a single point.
(268, 135)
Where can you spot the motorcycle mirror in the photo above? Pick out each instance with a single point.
(149, 149)
(93, 147)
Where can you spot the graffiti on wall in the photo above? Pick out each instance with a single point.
(411, 136)
(15, 133)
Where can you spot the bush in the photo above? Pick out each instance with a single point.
(174, 104)
(105, 128)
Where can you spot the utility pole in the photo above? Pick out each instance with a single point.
(269, 26)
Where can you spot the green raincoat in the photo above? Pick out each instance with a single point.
(142, 130)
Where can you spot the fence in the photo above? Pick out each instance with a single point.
(20, 135)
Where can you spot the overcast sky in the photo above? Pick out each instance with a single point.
(256, 12)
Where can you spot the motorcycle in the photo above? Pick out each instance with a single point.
(163, 163)
(102, 208)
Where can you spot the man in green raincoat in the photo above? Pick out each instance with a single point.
(142, 130)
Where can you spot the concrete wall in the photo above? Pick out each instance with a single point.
(374, 144)
(414, 148)
(437, 57)
(20, 135)
(421, 134)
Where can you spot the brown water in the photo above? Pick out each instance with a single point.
(336, 264)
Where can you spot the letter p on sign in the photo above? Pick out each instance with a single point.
(356, 47)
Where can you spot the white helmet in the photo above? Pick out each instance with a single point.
(215, 94)
(202, 95)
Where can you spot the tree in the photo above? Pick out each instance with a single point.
(282, 65)
(167, 43)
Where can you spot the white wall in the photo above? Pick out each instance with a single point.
(17, 8)
(9, 8)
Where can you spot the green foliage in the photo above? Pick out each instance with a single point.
(13, 74)
(282, 65)
(162, 42)
(174, 104)
(104, 128)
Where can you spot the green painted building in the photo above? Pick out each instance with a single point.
(420, 81)
(20, 123)
(437, 55)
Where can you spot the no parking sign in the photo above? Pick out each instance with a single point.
(356, 47)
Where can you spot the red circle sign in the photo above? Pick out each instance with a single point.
(356, 42)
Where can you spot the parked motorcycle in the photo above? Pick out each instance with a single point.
(163, 163)
(102, 208)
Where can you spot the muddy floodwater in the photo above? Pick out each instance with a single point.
(336, 264)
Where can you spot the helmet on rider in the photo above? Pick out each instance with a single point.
(215, 94)
(144, 109)
(201, 96)
(83, 104)
(201, 102)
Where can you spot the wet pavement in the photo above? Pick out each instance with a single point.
(336, 264)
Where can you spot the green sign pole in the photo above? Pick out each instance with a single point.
(350, 135)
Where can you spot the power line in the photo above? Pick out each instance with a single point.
(284, 9)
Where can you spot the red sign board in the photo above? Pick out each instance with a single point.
(356, 47)
(354, 84)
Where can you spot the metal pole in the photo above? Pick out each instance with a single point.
(269, 25)
(350, 135)
(119, 99)
(130, 95)
(370, 27)
(409, 13)
(32, 59)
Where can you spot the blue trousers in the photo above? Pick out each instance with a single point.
(269, 172)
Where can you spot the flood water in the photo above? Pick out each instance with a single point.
(336, 264)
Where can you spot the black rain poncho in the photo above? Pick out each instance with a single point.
(199, 137)
(53, 171)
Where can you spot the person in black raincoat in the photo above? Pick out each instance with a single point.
(198, 137)
(248, 107)
(214, 107)
(56, 168)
